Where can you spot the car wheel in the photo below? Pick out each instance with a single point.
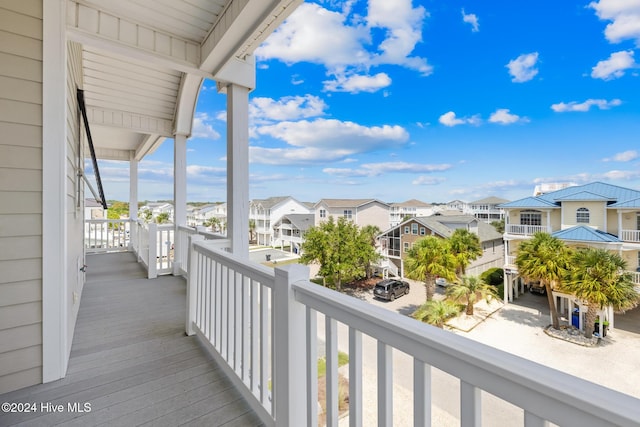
(406, 292)
(392, 297)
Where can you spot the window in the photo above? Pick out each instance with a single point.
(323, 213)
(582, 216)
(530, 218)
(423, 231)
(348, 213)
(414, 228)
(406, 229)
(406, 246)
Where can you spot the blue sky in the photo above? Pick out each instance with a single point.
(426, 99)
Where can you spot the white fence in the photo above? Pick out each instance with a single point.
(262, 327)
(526, 230)
(107, 235)
(630, 236)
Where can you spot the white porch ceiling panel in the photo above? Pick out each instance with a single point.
(138, 53)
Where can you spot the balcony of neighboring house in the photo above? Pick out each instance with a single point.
(525, 230)
(630, 236)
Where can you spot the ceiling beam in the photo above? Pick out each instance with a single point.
(130, 121)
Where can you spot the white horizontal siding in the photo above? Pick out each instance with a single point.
(20, 194)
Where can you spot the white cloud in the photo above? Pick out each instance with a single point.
(449, 119)
(286, 108)
(522, 69)
(472, 19)
(377, 169)
(202, 127)
(625, 17)
(342, 42)
(427, 180)
(625, 156)
(357, 83)
(324, 140)
(615, 66)
(602, 104)
(504, 117)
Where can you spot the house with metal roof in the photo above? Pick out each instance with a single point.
(591, 215)
(396, 242)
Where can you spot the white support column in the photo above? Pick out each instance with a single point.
(54, 222)
(133, 197)
(238, 169)
(179, 194)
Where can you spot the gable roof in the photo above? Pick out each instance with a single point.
(300, 221)
(592, 191)
(584, 233)
(441, 225)
(412, 203)
(348, 203)
(271, 201)
(489, 201)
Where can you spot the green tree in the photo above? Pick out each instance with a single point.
(213, 223)
(339, 248)
(429, 258)
(470, 290)
(162, 218)
(368, 234)
(599, 277)
(546, 259)
(499, 226)
(436, 312)
(465, 247)
(146, 215)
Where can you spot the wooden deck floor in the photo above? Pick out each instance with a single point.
(131, 360)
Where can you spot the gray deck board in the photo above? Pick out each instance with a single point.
(131, 360)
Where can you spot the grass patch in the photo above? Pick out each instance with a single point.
(343, 359)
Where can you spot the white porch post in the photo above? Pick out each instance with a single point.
(133, 198)
(54, 222)
(179, 194)
(238, 169)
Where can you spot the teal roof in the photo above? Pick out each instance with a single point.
(583, 233)
(529, 202)
(623, 197)
(583, 196)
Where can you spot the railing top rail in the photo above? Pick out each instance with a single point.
(257, 272)
(538, 389)
(188, 229)
(165, 226)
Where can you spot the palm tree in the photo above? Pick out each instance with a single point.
(471, 290)
(465, 246)
(436, 312)
(544, 258)
(600, 278)
(252, 229)
(429, 258)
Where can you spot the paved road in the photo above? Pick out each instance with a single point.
(517, 328)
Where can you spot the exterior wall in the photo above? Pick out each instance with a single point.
(629, 221)
(372, 214)
(20, 194)
(596, 214)
(74, 192)
(410, 237)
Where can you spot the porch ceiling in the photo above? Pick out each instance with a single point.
(143, 62)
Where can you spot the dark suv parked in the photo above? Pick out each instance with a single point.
(390, 289)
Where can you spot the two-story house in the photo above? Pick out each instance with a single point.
(266, 212)
(409, 209)
(396, 242)
(289, 231)
(487, 209)
(361, 211)
(592, 215)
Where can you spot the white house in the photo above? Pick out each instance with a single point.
(408, 209)
(486, 209)
(266, 212)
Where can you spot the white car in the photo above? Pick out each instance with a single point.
(441, 281)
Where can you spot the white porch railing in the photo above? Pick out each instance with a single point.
(181, 264)
(635, 277)
(525, 230)
(510, 260)
(630, 236)
(107, 235)
(262, 327)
